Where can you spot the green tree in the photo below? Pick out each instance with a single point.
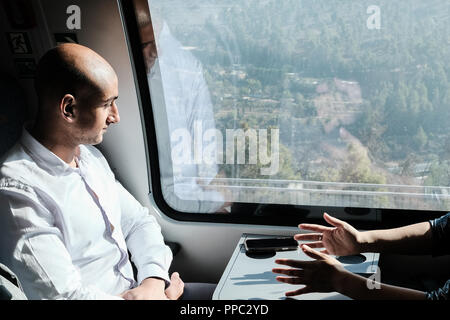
(439, 174)
(420, 139)
(358, 168)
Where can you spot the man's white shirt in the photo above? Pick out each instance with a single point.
(65, 232)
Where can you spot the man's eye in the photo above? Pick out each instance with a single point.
(146, 44)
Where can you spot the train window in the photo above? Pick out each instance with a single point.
(298, 103)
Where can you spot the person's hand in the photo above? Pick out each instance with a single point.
(176, 288)
(321, 275)
(150, 289)
(340, 240)
(153, 289)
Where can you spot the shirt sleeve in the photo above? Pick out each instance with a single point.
(441, 293)
(440, 229)
(33, 248)
(144, 240)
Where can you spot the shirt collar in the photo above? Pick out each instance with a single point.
(43, 157)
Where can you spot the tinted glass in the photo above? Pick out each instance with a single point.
(326, 102)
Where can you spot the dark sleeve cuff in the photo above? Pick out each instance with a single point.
(166, 283)
(440, 229)
(441, 293)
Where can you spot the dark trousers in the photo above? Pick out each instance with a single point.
(198, 291)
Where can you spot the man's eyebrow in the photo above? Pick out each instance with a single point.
(147, 43)
(110, 99)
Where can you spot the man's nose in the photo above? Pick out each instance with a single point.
(154, 52)
(114, 117)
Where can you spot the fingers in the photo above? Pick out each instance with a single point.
(303, 264)
(317, 244)
(314, 227)
(298, 292)
(296, 276)
(311, 237)
(291, 280)
(289, 272)
(128, 295)
(332, 220)
(295, 281)
(319, 228)
(176, 288)
(312, 253)
(294, 263)
(308, 237)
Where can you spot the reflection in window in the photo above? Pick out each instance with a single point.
(341, 104)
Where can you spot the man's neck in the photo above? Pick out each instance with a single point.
(54, 142)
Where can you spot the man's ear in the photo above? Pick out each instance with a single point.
(66, 107)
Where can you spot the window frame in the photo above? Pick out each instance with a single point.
(385, 218)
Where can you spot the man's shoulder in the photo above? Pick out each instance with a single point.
(15, 161)
(16, 168)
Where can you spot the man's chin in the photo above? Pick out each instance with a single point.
(95, 141)
(99, 139)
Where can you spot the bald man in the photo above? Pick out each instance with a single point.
(66, 224)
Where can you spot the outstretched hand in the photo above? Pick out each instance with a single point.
(340, 240)
(321, 275)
